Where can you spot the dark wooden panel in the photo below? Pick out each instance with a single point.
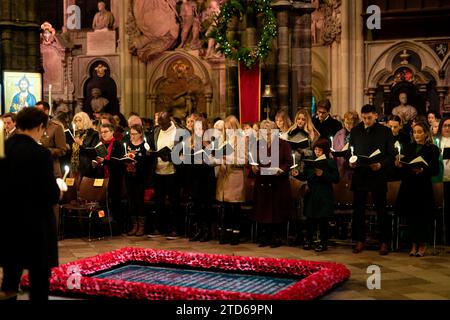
(53, 12)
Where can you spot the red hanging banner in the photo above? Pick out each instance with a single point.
(249, 93)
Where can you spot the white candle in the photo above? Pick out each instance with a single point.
(2, 139)
(50, 98)
(399, 150)
(184, 147)
(332, 146)
(293, 158)
(146, 145)
(125, 147)
(251, 158)
(74, 128)
(353, 151)
(437, 142)
(66, 173)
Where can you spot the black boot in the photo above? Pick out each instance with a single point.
(206, 234)
(225, 236)
(236, 237)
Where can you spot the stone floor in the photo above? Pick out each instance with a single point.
(402, 277)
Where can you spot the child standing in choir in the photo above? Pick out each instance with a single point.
(319, 203)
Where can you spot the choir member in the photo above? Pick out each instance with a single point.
(415, 198)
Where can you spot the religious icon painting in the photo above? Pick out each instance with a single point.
(21, 90)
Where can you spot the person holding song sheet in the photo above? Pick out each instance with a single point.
(231, 179)
(415, 198)
(272, 193)
(108, 167)
(372, 153)
(320, 175)
(84, 139)
(201, 178)
(136, 173)
(302, 134)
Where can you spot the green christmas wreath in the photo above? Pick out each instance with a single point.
(233, 49)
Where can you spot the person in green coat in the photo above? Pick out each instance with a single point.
(320, 173)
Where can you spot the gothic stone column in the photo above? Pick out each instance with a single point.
(301, 67)
(281, 8)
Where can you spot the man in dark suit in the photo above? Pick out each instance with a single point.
(324, 122)
(28, 237)
(371, 175)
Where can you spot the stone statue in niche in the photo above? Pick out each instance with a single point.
(152, 27)
(98, 103)
(103, 19)
(190, 25)
(404, 110)
(317, 21)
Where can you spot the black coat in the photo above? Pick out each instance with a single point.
(415, 196)
(28, 233)
(365, 142)
(87, 153)
(328, 128)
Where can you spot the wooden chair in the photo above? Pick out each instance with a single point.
(91, 201)
(438, 191)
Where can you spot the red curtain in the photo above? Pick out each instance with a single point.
(249, 93)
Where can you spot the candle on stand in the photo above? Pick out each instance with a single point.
(67, 169)
(2, 139)
(50, 98)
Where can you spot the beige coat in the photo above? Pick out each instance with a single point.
(231, 182)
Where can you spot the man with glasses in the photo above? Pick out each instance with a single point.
(324, 122)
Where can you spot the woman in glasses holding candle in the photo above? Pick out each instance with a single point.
(415, 198)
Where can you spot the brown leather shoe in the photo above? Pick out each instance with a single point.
(413, 251)
(359, 247)
(384, 250)
(421, 251)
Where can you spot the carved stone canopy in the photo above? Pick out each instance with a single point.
(180, 91)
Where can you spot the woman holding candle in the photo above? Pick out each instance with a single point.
(416, 184)
(304, 126)
(341, 139)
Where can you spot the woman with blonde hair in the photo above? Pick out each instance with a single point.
(283, 122)
(304, 126)
(230, 188)
(85, 139)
